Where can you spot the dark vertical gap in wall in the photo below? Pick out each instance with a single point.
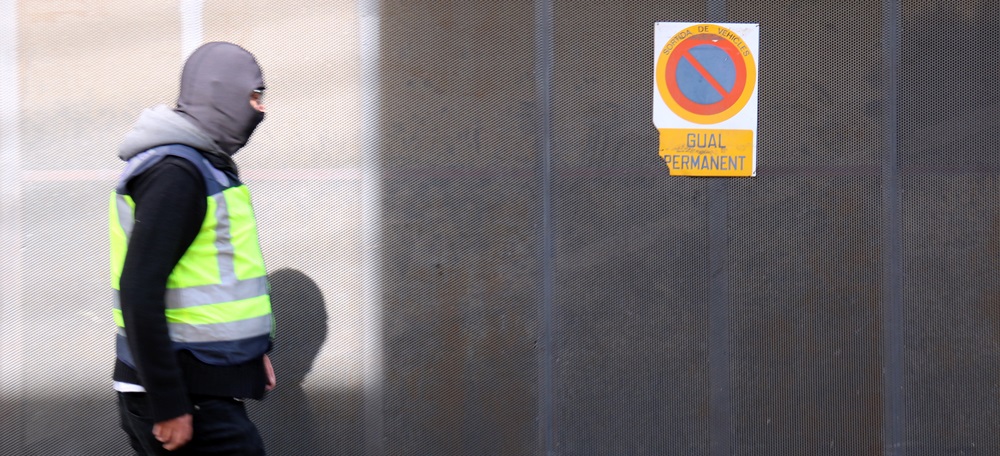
(543, 81)
(893, 238)
(720, 403)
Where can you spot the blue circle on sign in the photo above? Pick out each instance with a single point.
(710, 71)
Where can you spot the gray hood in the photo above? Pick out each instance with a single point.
(160, 126)
(216, 84)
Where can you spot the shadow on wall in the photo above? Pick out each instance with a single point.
(285, 418)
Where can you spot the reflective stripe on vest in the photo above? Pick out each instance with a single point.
(217, 303)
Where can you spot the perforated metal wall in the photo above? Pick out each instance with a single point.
(475, 249)
(950, 230)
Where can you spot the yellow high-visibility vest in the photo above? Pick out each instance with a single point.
(217, 300)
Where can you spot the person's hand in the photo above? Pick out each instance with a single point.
(271, 380)
(174, 433)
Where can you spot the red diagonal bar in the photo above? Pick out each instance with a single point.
(705, 74)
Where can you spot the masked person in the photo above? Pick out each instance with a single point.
(191, 293)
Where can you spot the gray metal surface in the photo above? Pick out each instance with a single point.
(475, 249)
(632, 247)
(461, 202)
(951, 229)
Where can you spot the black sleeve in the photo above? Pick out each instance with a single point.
(169, 210)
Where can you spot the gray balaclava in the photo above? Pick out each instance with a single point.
(216, 84)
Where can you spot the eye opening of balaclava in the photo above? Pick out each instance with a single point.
(216, 84)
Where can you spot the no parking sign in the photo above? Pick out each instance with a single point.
(705, 103)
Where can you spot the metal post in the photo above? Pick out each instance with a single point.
(720, 403)
(11, 317)
(371, 231)
(892, 237)
(543, 81)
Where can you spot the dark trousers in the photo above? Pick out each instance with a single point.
(221, 427)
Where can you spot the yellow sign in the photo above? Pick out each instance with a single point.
(705, 107)
(703, 152)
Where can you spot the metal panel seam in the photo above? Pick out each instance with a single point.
(720, 403)
(192, 28)
(369, 16)
(892, 232)
(543, 80)
(11, 317)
